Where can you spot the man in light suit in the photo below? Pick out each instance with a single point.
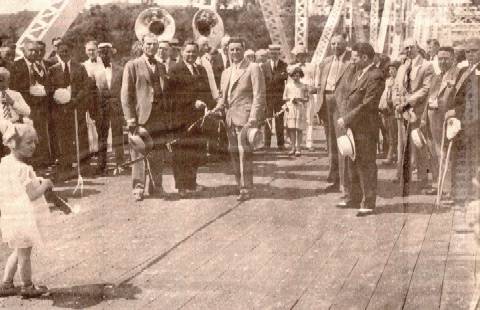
(361, 116)
(106, 112)
(410, 92)
(440, 96)
(327, 79)
(145, 102)
(243, 99)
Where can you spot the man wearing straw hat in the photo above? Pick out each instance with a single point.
(361, 117)
(300, 53)
(243, 99)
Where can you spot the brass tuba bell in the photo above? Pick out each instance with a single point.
(209, 24)
(156, 21)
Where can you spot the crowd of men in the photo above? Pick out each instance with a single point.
(165, 89)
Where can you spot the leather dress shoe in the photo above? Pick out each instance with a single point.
(244, 195)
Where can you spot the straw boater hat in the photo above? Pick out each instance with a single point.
(346, 145)
(299, 49)
(141, 141)
(453, 127)
(418, 138)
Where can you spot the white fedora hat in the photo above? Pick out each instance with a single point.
(418, 138)
(453, 127)
(346, 145)
(252, 137)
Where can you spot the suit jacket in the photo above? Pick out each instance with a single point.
(322, 71)
(137, 90)
(361, 114)
(467, 77)
(442, 90)
(267, 72)
(186, 89)
(276, 84)
(246, 102)
(80, 83)
(107, 98)
(341, 94)
(421, 75)
(21, 79)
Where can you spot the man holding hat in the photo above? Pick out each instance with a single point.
(243, 100)
(275, 88)
(146, 103)
(466, 150)
(409, 95)
(441, 93)
(361, 116)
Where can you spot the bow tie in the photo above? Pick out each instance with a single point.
(94, 61)
(152, 61)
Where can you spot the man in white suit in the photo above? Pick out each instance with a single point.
(242, 97)
(145, 103)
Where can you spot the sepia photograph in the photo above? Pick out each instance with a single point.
(240, 154)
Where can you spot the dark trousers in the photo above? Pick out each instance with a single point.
(39, 114)
(64, 123)
(103, 122)
(188, 155)
(363, 171)
(275, 106)
(333, 168)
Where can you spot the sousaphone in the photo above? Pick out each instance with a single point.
(156, 21)
(209, 24)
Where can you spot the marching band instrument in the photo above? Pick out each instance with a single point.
(156, 21)
(209, 24)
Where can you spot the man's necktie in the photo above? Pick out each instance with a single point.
(66, 75)
(195, 70)
(408, 84)
(7, 113)
(106, 63)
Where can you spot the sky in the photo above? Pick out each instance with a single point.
(12, 6)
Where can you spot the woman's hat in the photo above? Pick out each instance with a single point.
(453, 127)
(140, 141)
(418, 138)
(346, 145)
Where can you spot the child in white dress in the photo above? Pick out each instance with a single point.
(22, 204)
(296, 97)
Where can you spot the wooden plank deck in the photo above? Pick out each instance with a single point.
(289, 248)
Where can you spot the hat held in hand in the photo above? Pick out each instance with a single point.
(453, 127)
(346, 145)
(140, 141)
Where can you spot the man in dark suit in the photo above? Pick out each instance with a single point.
(106, 112)
(31, 80)
(71, 93)
(327, 80)
(275, 88)
(190, 94)
(145, 102)
(361, 116)
(243, 98)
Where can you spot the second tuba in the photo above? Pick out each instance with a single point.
(209, 24)
(157, 21)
